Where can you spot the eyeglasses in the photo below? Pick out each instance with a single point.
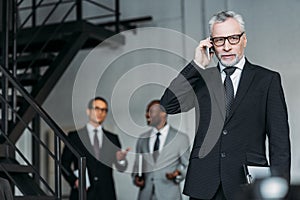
(99, 109)
(232, 39)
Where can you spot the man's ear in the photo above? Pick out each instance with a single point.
(245, 43)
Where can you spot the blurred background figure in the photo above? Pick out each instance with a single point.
(165, 154)
(102, 150)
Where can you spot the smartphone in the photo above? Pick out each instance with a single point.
(209, 51)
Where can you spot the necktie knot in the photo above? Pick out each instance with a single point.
(229, 70)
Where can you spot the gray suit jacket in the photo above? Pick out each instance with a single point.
(174, 155)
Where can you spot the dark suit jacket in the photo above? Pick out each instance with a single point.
(100, 171)
(259, 110)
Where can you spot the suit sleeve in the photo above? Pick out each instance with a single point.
(67, 159)
(278, 129)
(180, 95)
(136, 160)
(184, 154)
(120, 166)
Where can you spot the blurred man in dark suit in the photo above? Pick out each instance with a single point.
(102, 150)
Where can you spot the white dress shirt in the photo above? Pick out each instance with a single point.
(236, 76)
(91, 132)
(162, 138)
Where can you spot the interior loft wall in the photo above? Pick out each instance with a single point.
(272, 28)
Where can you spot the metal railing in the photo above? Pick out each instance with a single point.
(73, 11)
(19, 15)
(59, 137)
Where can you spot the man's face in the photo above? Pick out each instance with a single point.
(153, 115)
(97, 113)
(229, 54)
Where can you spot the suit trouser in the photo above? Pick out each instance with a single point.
(218, 196)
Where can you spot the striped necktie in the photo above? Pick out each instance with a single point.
(96, 145)
(229, 91)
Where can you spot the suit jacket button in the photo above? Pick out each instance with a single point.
(225, 132)
(95, 178)
(223, 155)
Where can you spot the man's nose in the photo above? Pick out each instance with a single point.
(227, 45)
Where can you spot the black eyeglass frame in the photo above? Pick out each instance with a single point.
(99, 109)
(228, 39)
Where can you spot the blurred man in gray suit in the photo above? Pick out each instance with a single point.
(162, 158)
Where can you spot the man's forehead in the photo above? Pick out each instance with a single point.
(153, 106)
(99, 102)
(228, 27)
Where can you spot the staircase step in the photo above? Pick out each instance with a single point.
(12, 165)
(33, 60)
(20, 174)
(58, 35)
(27, 185)
(6, 151)
(16, 168)
(30, 197)
(27, 79)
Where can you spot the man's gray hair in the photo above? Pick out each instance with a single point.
(223, 16)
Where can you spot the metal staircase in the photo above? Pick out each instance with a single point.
(39, 39)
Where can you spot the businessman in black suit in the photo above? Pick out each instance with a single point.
(102, 150)
(232, 120)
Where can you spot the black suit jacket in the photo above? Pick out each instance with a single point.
(259, 110)
(100, 171)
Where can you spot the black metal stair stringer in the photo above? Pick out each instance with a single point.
(48, 81)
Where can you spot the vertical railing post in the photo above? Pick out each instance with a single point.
(82, 177)
(33, 20)
(57, 149)
(36, 126)
(5, 54)
(78, 10)
(14, 55)
(117, 15)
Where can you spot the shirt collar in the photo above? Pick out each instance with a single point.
(91, 128)
(239, 65)
(163, 131)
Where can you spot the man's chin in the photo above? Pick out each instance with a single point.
(229, 64)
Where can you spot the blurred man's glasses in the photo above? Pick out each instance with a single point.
(99, 109)
(232, 39)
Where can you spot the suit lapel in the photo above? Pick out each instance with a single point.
(165, 151)
(146, 143)
(218, 90)
(84, 137)
(215, 87)
(245, 81)
(170, 136)
(146, 147)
